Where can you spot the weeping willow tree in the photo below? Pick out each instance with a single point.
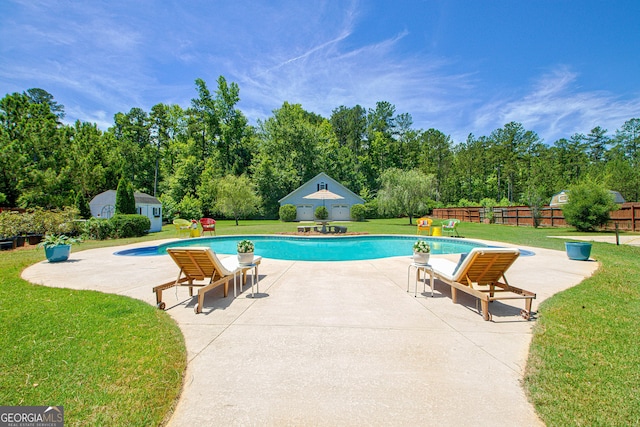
(408, 193)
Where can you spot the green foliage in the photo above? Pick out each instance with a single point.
(98, 229)
(358, 212)
(372, 209)
(125, 201)
(488, 204)
(10, 224)
(588, 207)
(39, 221)
(464, 203)
(321, 213)
(237, 197)
(82, 205)
(52, 240)
(405, 192)
(504, 202)
(169, 207)
(123, 226)
(535, 201)
(288, 213)
(185, 151)
(190, 207)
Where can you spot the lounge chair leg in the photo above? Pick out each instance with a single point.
(526, 313)
(485, 309)
(454, 295)
(198, 307)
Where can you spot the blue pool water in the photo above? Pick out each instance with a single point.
(345, 248)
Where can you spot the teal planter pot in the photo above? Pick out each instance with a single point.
(579, 251)
(57, 253)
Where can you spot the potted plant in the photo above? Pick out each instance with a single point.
(421, 251)
(245, 252)
(57, 247)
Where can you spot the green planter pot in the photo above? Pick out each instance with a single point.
(57, 253)
(579, 251)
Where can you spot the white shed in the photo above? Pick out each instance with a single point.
(104, 206)
(339, 209)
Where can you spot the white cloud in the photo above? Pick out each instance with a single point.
(555, 108)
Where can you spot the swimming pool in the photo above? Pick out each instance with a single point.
(295, 248)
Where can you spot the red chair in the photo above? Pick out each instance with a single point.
(208, 224)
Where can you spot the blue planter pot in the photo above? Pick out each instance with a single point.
(57, 253)
(578, 251)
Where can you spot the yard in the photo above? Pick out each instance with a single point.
(98, 354)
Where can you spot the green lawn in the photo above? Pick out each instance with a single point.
(112, 360)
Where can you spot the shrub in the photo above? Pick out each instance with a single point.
(462, 203)
(488, 204)
(588, 207)
(129, 226)
(288, 213)
(322, 213)
(190, 207)
(97, 229)
(10, 224)
(125, 199)
(371, 209)
(535, 201)
(169, 207)
(358, 212)
(82, 205)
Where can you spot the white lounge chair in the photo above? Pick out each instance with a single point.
(481, 274)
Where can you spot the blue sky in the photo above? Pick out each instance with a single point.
(558, 67)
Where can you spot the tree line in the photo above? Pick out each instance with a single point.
(186, 156)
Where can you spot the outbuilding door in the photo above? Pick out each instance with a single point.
(340, 213)
(304, 213)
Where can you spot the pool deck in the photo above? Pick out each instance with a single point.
(338, 343)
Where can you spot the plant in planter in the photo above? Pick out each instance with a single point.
(245, 251)
(57, 247)
(421, 251)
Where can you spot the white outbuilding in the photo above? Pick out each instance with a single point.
(322, 190)
(104, 206)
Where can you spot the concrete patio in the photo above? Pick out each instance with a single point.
(340, 343)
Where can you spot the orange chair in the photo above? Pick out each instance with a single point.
(208, 224)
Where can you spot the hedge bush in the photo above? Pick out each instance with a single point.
(358, 212)
(131, 225)
(97, 229)
(288, 213)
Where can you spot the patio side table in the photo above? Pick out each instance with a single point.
(255, 279)
(425, 268)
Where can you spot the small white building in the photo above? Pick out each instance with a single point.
(104, 206)
(339, 209)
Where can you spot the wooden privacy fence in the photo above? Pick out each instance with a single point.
(627, 217)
